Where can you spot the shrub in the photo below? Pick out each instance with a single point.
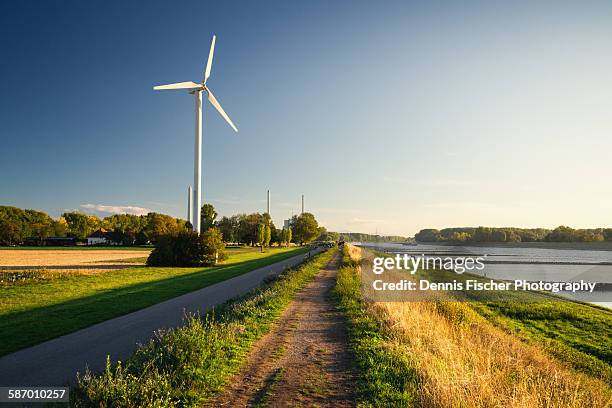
(188, 249)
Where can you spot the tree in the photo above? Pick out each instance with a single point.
(322, 234)
(158, 225)
(267, 235)
(248, 225)
(9, 231)
(81, 225)
(207, 217)
(60, 227)
(289, 236)
(305, 228)
(189, 249)
(285, 236)
(261, 235)
(275, 235)
(213, 246)
(229, 227)
(427, 235)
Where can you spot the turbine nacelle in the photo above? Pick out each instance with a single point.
(197, 89)
(194, 87)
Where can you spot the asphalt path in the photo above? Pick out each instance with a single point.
(55, 362)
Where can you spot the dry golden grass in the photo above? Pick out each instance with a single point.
(463, 361)
(354, 252)
(469, 363)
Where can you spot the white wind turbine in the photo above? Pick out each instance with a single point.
(197, 89)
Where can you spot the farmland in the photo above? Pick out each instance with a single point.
(71, 261)
(57, 304)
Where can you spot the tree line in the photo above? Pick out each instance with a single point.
(361, 237)
(16, 225)
(259, 229)
(492, 234)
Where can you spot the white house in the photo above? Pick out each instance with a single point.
(99, 237)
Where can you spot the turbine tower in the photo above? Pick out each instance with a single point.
(197, 89)
(268, 203)
(189, 204)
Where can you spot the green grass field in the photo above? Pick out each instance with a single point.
(184, 366)
(38, 311)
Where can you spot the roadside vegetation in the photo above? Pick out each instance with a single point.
(185, 366)
(443, 354)
(39, 306)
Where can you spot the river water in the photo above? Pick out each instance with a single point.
(532, 264)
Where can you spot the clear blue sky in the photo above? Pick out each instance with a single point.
(393, 117)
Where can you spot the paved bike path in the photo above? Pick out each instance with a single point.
(55, 362)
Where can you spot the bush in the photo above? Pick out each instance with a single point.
(188, 249)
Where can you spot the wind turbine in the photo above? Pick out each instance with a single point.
(197, 89)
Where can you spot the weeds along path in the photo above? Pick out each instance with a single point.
(303, 361)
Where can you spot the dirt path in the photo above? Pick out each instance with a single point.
(303, 361)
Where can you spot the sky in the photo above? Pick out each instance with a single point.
(388, 117)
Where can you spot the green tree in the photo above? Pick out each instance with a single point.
(189, 249)
(267, 235)
(305, 228)
(207, 217)
(213, 246)
(286, 236)
(229, 227)
(9, 231)
(427, 235)
(158, 225)
(261, 235)
(81, 225)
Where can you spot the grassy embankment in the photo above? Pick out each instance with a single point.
(40, 310)
(445, 354)
(184, 366)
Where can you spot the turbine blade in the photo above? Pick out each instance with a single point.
(178, 85)
(210, 59)
(217, 106)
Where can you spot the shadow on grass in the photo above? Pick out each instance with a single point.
(26, 328)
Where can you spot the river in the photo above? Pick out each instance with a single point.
(532, 264)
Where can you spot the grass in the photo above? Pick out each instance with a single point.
(38, 311)
(386, 378)
(576, 333)
(448, 355)
(185, 366)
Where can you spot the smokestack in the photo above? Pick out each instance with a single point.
(189, 205)
(269, 202)
(302, 203)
